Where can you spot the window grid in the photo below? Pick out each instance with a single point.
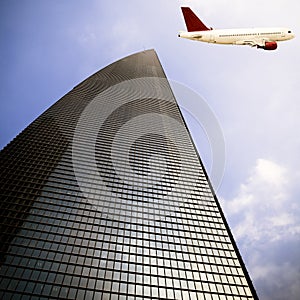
(159, 234)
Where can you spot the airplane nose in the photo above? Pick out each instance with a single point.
(291, 36)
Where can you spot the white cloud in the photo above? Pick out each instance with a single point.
(262, 204)
(285, 281)
(264, 217)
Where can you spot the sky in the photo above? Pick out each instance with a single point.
(48, 47)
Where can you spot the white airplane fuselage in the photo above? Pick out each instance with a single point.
(247, 36)
(265, 38)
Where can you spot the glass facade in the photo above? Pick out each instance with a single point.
(105, 197)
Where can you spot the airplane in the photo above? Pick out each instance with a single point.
(263, 38)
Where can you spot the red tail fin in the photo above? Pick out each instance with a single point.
(193, 23)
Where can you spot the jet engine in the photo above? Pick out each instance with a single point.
(269, 46)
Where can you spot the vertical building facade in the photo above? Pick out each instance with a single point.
(105, 197)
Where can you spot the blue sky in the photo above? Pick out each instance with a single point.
(48, 47)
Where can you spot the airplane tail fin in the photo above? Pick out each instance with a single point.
(193, 23)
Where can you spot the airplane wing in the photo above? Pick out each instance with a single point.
(248, 43)
(252, 43)
(259, 43)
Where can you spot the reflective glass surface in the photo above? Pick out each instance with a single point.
(105, 197)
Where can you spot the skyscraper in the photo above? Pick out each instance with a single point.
(105, 197)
